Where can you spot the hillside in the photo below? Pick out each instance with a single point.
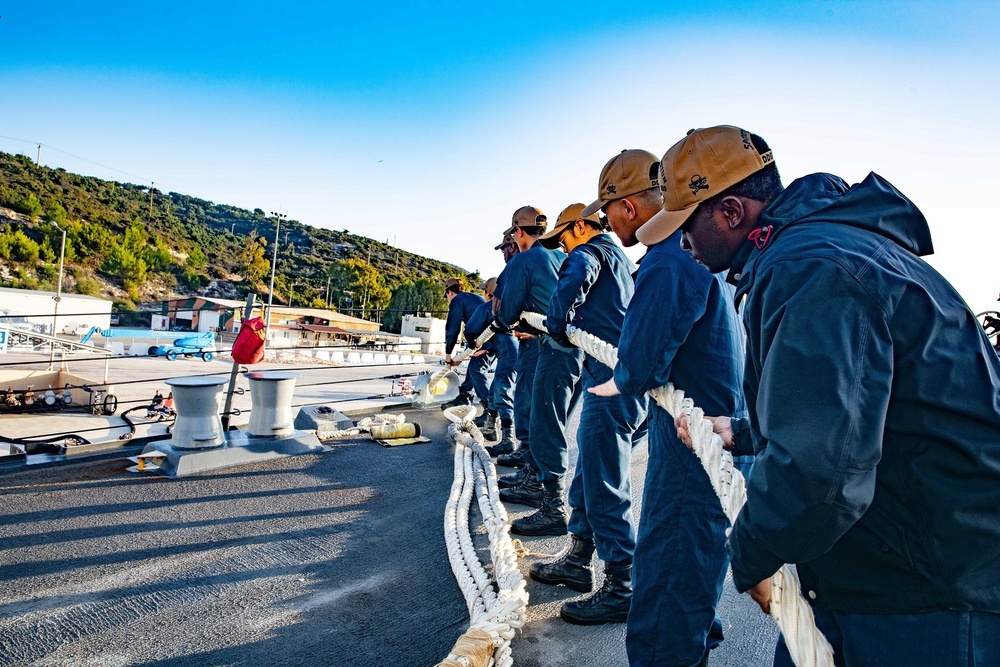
(135, 245)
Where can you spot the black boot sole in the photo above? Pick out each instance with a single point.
(578, 586)
(519, 463)
(538, 532)
(503, 484)
(527, 502)
(619, 617)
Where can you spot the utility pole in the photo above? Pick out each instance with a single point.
(274, 263)
(151, 184)
(38, 159)
(58, 297)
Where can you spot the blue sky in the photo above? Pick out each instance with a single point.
(428, 124)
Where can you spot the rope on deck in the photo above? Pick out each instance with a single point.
(498, 604)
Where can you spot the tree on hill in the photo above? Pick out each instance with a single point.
(361, 283)
(252, 260)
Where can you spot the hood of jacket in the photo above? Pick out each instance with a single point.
(874, 204)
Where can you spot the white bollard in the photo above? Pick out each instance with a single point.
(198, 402)
(271, 398)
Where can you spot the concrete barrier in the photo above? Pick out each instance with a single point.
(367, 358)
(324, 355)
(337, 357)
(419, 359)
(392, 359)
(406, 359)
(379, 358)
(354, 358)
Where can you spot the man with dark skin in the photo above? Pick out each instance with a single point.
(874, 405)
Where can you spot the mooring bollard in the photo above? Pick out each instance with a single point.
(271, 396)
(198, 402)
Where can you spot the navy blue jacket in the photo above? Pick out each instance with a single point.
(478, 323)
(462, 305)
(681, 327)
(594, 289)
(874, 401)
(529, 279)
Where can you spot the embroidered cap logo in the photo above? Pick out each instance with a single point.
(698, 183)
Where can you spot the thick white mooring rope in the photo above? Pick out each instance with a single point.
(806, 644)
(498, 604)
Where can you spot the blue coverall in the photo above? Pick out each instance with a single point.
(498, 395)
(528, 281)
(460, 309)
(595, 287)
(680, 327)
(479, 365)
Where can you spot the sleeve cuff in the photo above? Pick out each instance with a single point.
(742, 440)
(751, 562)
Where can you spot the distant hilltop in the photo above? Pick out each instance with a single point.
(134, 244)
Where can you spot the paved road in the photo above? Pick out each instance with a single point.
(333, 559)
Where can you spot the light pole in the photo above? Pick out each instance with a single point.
(58, 296)
(274, 264)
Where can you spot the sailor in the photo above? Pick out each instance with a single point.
(493, 402)
(595, 286)
(680, 327)
(874, 401)
(461, 305)
(528, 281)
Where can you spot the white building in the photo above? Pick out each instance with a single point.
(37, 307)
(430, 331)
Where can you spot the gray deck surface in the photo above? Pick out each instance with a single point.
(333, 559)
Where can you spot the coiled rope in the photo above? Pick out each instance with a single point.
(497, 605)
(806, 644)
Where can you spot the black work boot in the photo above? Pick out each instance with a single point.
(529, 492)
(572, 570)
(489, 427)
(506, 444)
(463, 398)
(513, 460)
(511, 480)
(611, 602)
(550, 519)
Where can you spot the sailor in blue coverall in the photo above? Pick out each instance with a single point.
(497, 397)
(546, 379)
(461, 306)
(594, 289)
(680, 327)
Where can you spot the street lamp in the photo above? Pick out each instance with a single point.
(58, 296)
(274, 265)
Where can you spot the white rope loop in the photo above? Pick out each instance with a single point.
(497, 605)
(806, 644)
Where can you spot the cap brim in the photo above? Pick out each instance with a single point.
(500, 247)
(663, 224)
(593, 208)
(550, 240)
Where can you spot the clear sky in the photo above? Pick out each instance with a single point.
(428, 123)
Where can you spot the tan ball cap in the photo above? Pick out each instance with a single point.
(625, 174)
(526, 216)
(569, 215)
(699, 166)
